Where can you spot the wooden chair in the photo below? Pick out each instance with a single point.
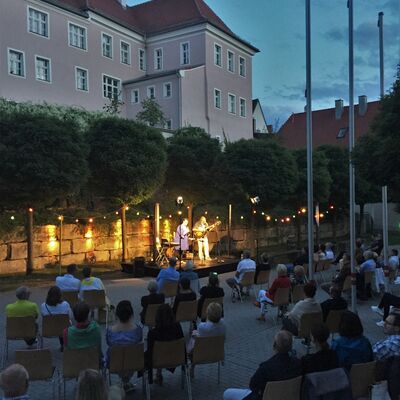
(281, 299)
(246, 282)
(127, 359)
(207, 302)
(362, 377)
(150, 315)
(209, 350)
(263, 278)
(305, 266)
(333, 320)
(53, 326)
(71, 297)
(170, 289)
(307, 321)
(319, 267)
(288, 389)
(298, 293)
(39, 365)
(96, 300)
(172, 354)
(186, 311)
(347, 287)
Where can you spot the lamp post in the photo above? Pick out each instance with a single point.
(254, 201)
(179, 203)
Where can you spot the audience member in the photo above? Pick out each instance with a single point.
(329, 255)
(321, 252)
(191, 275)
(211, 291)
(302, 258)
(340, 277)
(185, 293)
(246, 264)
(14, 382)
(91, 386)
(264, 265)
(377, 244)
(369, 265)
(298, 277)
(68, 282)
(279, 367)
(389, 347)
(394, 260)
(336, 302)
(360, 250)
(168, 274)
(351, 347)
(152, 298)
(90, 282)
(23, 308)
(324, 358)
(388, 300)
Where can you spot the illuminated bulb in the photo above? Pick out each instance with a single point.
(77, 220)
(254, 212)
(205, 212)
(276, 220)
(263, 213)
(104, 217)
(241, 217)
(217, 217)
(268, 218)
(331, 207)
(148, 216)
(160, 217)
(188, 207)
(287, 219)
(126, 208)
(282, 220)
(30, 209)
(170, 216)
(293, 216)
(12, 217)
(137, 213)
(116, 212)
(90, 220)
(321, 215)
(179, 212)
(298, 212)
(303, 210)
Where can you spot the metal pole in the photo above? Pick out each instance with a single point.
(310, 201)
(229, 228)
(123, 232)
(384, 188)
(156, 238)
(351, 165)
(61, 219)
(29, 259)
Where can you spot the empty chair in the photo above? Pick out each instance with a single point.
(362, 377)
(70, 296)
(169, 289)
(207, 302)
(333, 320)
(298, 293)
(53, 326)
(288, 389)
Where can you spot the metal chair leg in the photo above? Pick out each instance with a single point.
(188, 383)
(219, 372)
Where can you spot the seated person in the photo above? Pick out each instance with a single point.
(298, 277)
(351, 347)
(168, 274)
(191, 275)
(184, 293)
(152, 298)
(279, 367)
(211, 291)
(336, 302)
(324, 358)
(394, 260)
(245, 264)
(264, 265)
(302, 258)
(388, 300)
(91, 385)
(329, 255)
(68, 282)
(321, 252)
(389, 347)
(365, 291)
(14, 381)
(23, 308)
(89, 282)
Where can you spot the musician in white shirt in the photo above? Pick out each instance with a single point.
(200, 230)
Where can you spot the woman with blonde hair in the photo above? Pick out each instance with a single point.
(91, 386)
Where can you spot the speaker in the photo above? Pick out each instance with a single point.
(127, 268)
(138, 269)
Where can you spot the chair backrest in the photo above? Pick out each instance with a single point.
(169, 288)
(54, 325)
(70, 296)
(169, 354)
(94, 298)
(150, 315)
(326, 264)
(368, 277)
(298, 293)
(288, 389)
(186, 311)
(333, 320)
(126, 358)
(195, 285)
(392, 275)
(347, 284)
(77, 360)
(307, 321)
(263, 277)
(281, 297)
(305, 266)
(207, 302)
(362, 376)
(208, 349)
(38, 363)
(20, 327)
(319, 266)
(248, 278)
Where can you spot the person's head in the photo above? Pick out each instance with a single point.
(172, 261)
(86, 271)
(189, 265)
(392, 324)
(81, 312)
(246, 254)
(283, 342)
(124, 311)
(54, 296)
(14, 381)
(299, 271)
(395, 252)
(264, 258)
(185, 221)
(152, 287)
(359, 242)
(368, 255)
(310, 288)
(22, 293)
(213, 280)
(281, 270)
(214, 312)
(328, 246)
(184, 283)
(320, 334)
(350, 325)
(164, 317)
(91, 386)
(71, 269)
(322, 247)
(335, 291)
(203, 219)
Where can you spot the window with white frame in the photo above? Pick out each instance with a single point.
(231, 103)
(125, 53)
(81, 79)
(168, 124)
(217, 98)
(158, 59)
(151, 92)
(16, 63)
(242, 66)
(218, 55)
(185, 53)
(111, 87)
(106, 42)
(242, 107)
(142, 60)
(77, 36)
(135, 96)
(167, 89)
(43, 69)
(231, 61)
(38, 22)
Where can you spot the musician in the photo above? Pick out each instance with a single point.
(200, 230)
(182, 236)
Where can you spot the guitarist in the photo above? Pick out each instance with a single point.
(200, 230)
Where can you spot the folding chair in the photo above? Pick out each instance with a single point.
(170, 289)
(53, 326)
(70, 296)
(347, 286)
(263, 278)
(207, 302)
(333, 320)
(362, 377)
(288, 389)
(150, 315)
(96, 300)
(298, 293)
(307, 322)
(247, 281)
(281, 300)
(186, 312)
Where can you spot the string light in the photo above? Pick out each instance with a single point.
(126, 208)
(12, 217)
(268, 218)
(30, 209)
(241, 217)
(90, 220)
(303, 210)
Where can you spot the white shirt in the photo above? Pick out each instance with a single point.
(68, 283)
(209, 328)
(247, 264)
(60, 308)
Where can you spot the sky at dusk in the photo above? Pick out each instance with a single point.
(277, 28)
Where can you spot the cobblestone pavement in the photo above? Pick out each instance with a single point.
(248, 343)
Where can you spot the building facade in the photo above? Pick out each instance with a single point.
(84, 52)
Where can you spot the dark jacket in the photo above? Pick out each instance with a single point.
(323, 360)
(333, 304)
(153, 298)
(261, 267)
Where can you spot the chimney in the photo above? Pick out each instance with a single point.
(338, 108)
(122, 2)
(362, 105)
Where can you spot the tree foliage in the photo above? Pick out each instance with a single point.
(151, 113)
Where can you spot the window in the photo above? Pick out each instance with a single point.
(217, 98)
(242, 66)
(231, 103)
(125, 53)
(158, 59)
(43, 71)
(151, 92)
(106, 42)
(185, 53)
(38, 22)
(167, 89)
(342, 133)
(77, 36)
(218, 55)
(142, 60)
(168, 124)
(16, 63)
(135, 96)
(242, 107)
(111, 87)
(81, 79)
(231, 61)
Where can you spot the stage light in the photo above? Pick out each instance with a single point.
(255, 200)
(179, 201)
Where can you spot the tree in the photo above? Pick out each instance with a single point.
(151, 113)
(114, 104)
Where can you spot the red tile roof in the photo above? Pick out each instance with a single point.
(325, 127)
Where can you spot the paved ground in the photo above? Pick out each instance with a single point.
(248, 343)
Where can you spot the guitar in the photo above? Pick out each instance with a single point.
(200, 234)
